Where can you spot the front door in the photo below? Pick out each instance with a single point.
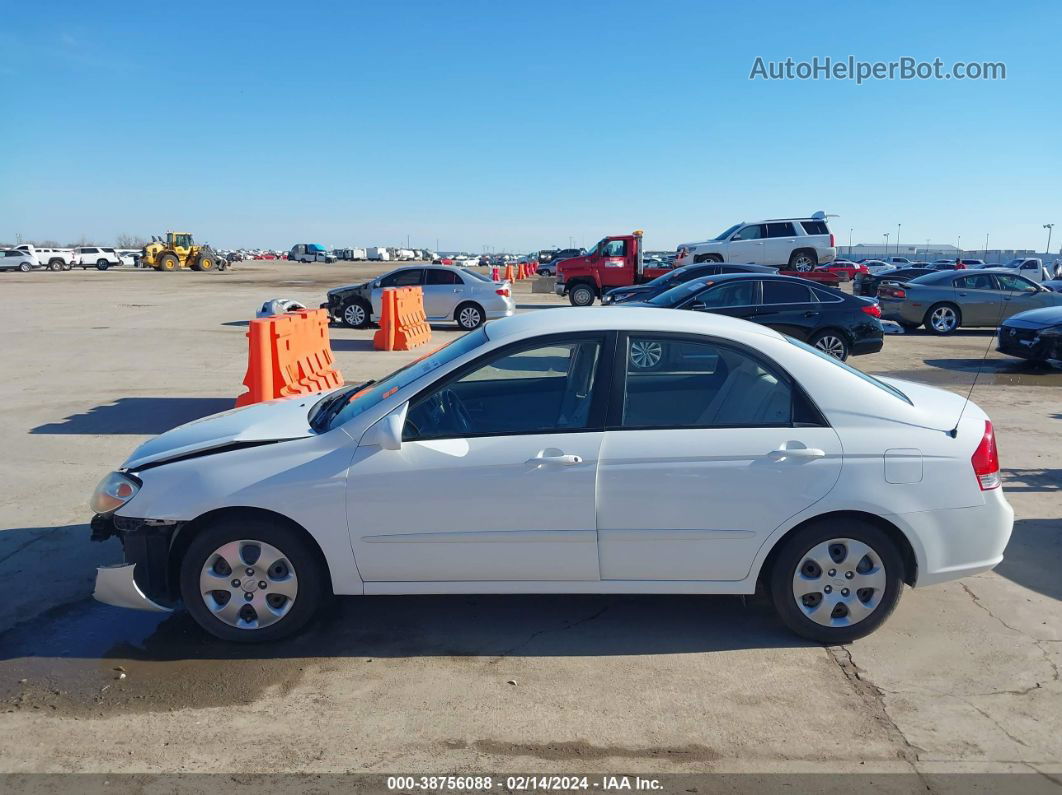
(739, 298)
(747, 245)
(495, 480)
(406, 277)
(706, 455)
(1020, 295)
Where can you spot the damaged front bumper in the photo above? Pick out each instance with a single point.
(144, 581)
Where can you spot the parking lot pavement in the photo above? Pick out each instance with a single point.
(965, 676)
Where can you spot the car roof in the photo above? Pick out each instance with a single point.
(563, 320)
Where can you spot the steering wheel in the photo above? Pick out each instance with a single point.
(453, 406)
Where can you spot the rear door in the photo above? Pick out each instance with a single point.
(979, 298)
(708, 449)
(789, 307)
(781, 240)
(747, 245)
(443, 289)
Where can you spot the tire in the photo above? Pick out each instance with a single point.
(832, 342)
(102, 264)
(289, 565)
(25, 267)
(208, 260)
(698, 259)
(469, 316)
(355, 314)
(168, 263)
(581, 295)
(942, 319)
(803, 261)
(802, 567)
(56, 265)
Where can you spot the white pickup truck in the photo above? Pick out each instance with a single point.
(55, 259)
(1032, 268)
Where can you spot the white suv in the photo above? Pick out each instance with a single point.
(799, 244)
(102, 258)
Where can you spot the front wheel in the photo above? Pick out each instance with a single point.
(25, 267)
(581, 295)
(55, 265)
(355, 314)
(251, 580)
(830, 342)
(836, 580)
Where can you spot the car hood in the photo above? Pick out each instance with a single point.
(1036, 318)
(346, 287)
(271, 421)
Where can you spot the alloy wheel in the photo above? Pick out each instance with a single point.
(248, 584)
(803, 263)
(469, 317)
(839, 582)
(646, 354)
(832, 345)
(354, 314)
(943, 319)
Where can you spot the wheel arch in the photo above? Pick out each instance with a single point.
(903, 543)
(187, 532)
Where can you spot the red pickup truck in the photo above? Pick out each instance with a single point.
(616, 261)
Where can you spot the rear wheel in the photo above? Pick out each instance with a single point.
(832, 342)
(168, 262)
(943, 319)
(836, 580)
(581, 295)
(469, 316)
(102, 264)
(803, 261)
(55, 265)
(251, 580)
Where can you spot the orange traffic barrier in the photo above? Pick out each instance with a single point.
(403, 324)
(289, 355)
(509, 276)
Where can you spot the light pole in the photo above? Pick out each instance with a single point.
(957, 241)
(927, 249)
(898, 239)
(886, 236)
(986, 246)
(1050, 228)
(850, 241)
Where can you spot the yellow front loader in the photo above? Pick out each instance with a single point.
(178, 251)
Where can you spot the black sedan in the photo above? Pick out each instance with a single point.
(834, 322)
(1035, 335)
(643, 292)
(867, 283)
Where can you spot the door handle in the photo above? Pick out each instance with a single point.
(812, 314)
(795, 453)
(562, 460)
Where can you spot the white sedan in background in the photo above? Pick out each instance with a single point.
(572, 451)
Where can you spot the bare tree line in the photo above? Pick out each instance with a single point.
(120, 241)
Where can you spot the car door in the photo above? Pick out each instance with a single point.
(404, 277)
(780, 242)
(979, 298)
(738, 298)
(495, 479)
(790, 308)
(443, 290)
(1020, 294)
(747, 244)
(706, 452)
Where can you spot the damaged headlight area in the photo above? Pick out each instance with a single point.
(114, 491)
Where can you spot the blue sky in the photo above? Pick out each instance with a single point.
(520, 126)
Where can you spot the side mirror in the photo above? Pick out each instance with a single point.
(386, 433)
(376, 284)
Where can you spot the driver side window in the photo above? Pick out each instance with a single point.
(542, 389)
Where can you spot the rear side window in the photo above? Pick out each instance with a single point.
(686, 384)
(815, 227)
(979, 281)
(786, 293)
(442, 277)
(780, 229)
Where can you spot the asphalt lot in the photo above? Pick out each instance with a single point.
(964, 677)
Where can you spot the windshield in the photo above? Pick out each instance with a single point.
(358, 400)
(665, 279)
(858, 373)
(678, 294)
(729, 231)
(1015, 263)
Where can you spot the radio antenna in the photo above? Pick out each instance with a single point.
(999, 319)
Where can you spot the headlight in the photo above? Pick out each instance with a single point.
(114, 491)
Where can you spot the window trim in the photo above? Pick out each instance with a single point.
(618, 391)
(757, 290)
(599, 402)
(763, 293)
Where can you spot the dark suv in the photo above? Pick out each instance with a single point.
(834, 322)
(643, 292)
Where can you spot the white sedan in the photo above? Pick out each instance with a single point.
(572, 451)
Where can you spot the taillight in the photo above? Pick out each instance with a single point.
(892, 292)
(985, 460)
(831, 242)
(871, 309)
(503, 292)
